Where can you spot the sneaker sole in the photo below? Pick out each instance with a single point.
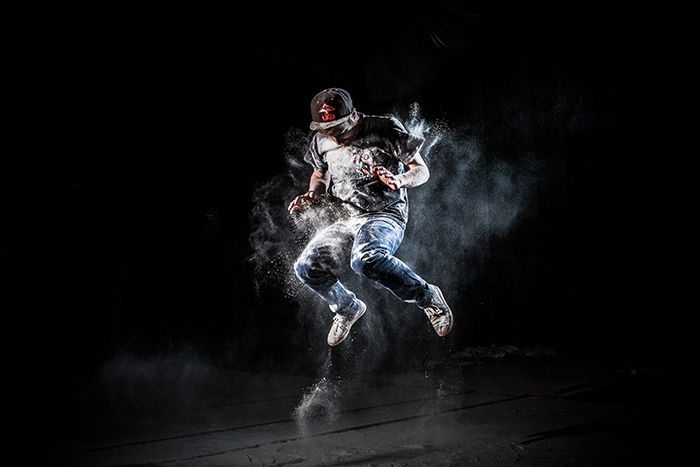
(357, 317)
(452, 321)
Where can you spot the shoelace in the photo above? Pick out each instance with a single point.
(433, 312)
(341, 324)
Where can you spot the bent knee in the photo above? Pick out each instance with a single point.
(366, 263)
(301, 267)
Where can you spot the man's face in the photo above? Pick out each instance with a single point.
(341, 133)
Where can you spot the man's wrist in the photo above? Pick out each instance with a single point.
(413, 178)
(400, 180)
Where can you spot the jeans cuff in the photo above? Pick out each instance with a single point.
(425, 296)
(351, 310)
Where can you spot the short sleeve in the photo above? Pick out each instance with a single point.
(314, 158)
(402, 144)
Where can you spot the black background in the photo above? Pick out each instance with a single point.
(146, 133)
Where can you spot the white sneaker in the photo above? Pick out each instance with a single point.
(341, 325)
(439, 312)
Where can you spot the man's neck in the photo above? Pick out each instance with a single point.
(349, 136)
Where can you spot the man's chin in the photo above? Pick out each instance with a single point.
(343, 139)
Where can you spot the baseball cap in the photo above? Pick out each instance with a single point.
(330, 107)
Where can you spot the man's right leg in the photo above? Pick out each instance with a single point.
(372, 257)
(329, 249)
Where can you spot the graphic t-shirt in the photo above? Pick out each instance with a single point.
(379, 141)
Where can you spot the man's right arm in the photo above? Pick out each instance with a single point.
(318, 184)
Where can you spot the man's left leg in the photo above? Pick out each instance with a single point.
(373, 257)
(314, 267)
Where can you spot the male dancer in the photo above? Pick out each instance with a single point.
(359, 160)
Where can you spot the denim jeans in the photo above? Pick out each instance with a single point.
(369, 244)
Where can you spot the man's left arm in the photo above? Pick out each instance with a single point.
(416, 175)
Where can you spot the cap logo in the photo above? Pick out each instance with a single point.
(325, 112)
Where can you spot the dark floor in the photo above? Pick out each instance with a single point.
(504, 410)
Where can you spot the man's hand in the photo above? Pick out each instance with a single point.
(416, 175)
(387, 178)
(302, 201)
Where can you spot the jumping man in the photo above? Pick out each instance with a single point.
(359, 160)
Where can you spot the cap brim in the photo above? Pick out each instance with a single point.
(332, 123)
